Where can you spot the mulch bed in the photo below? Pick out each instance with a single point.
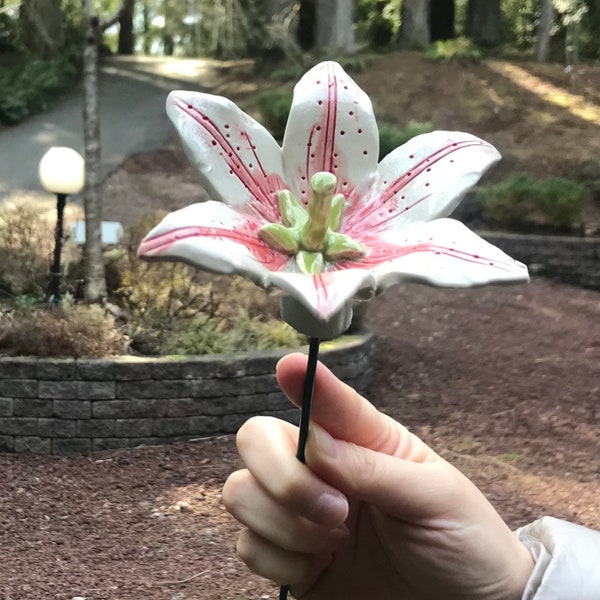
(501, 381)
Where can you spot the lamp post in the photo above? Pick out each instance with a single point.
(61, 172)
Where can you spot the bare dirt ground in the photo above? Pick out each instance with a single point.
(503, 382)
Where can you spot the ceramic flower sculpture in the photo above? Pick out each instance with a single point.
(319, 218)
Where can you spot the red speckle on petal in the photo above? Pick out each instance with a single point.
(342, 132)
(411, 156)
(365, 152)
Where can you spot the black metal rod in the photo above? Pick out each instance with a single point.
(309, 386)
(54, 286)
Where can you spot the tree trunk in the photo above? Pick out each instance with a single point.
(95, 280)
(544, 30)
(414, 25)
(334, 26)
(484, 22)
(42, 26)
(441, 19)
(126, 39)
(307, 18)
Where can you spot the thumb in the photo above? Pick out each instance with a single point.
(346, 415)
(397, 486)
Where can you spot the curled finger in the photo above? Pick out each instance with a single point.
(250, 504)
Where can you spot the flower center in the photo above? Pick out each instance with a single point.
(311, 235)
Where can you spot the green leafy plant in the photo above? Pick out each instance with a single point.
(30, 84)
(274, 107)
(391, 136)
(460, 48)
(522, 202)
(210, 336)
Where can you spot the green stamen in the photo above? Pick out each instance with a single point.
(311, 235)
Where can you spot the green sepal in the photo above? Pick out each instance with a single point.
(310, 263)
(279, 237)
(341, 246)
(337, 211)
(292, 212)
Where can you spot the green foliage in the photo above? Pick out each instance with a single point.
(391, 136)
(30, 84)
(460, 48)
(377, 22)
(356, 63)
(521, 202)
(274, 107)
(74, 331)
(206, 336)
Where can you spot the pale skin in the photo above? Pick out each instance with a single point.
(374, 512)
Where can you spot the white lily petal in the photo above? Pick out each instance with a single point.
(326, 294)
(441, 253)
(331, 127)
(212, 236)
(422, 180)
(238, 160)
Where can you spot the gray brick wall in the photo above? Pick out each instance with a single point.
(571, 260)
(67, 406)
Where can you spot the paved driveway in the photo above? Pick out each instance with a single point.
(133, 119)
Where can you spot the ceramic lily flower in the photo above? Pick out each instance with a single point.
(319, 218)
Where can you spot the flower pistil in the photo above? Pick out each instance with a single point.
(311, 234)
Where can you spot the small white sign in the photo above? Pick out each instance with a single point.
(112, 232)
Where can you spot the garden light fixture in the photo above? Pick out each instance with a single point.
(61, 172)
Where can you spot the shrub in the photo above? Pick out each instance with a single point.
(275, 107)
(210, 336)
(31, 84)
(390, 136)
(74, 331)
(519, 201)
(26, 244)
(460, 48)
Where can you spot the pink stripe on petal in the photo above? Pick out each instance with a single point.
(395, 199)
(381, 253)
(261, 251)
(263, 187)
(331, 128)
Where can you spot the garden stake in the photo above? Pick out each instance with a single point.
(309, 386)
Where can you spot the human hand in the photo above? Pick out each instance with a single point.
(373, 514)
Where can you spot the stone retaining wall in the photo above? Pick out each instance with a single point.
(64, 406)
(568, 259)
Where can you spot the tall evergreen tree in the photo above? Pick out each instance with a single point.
(414, 24)
(484, 22)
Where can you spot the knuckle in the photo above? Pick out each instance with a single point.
(246, 549)
(253, 429)
(233, 489)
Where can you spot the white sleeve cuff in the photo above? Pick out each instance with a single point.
(567, 560)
